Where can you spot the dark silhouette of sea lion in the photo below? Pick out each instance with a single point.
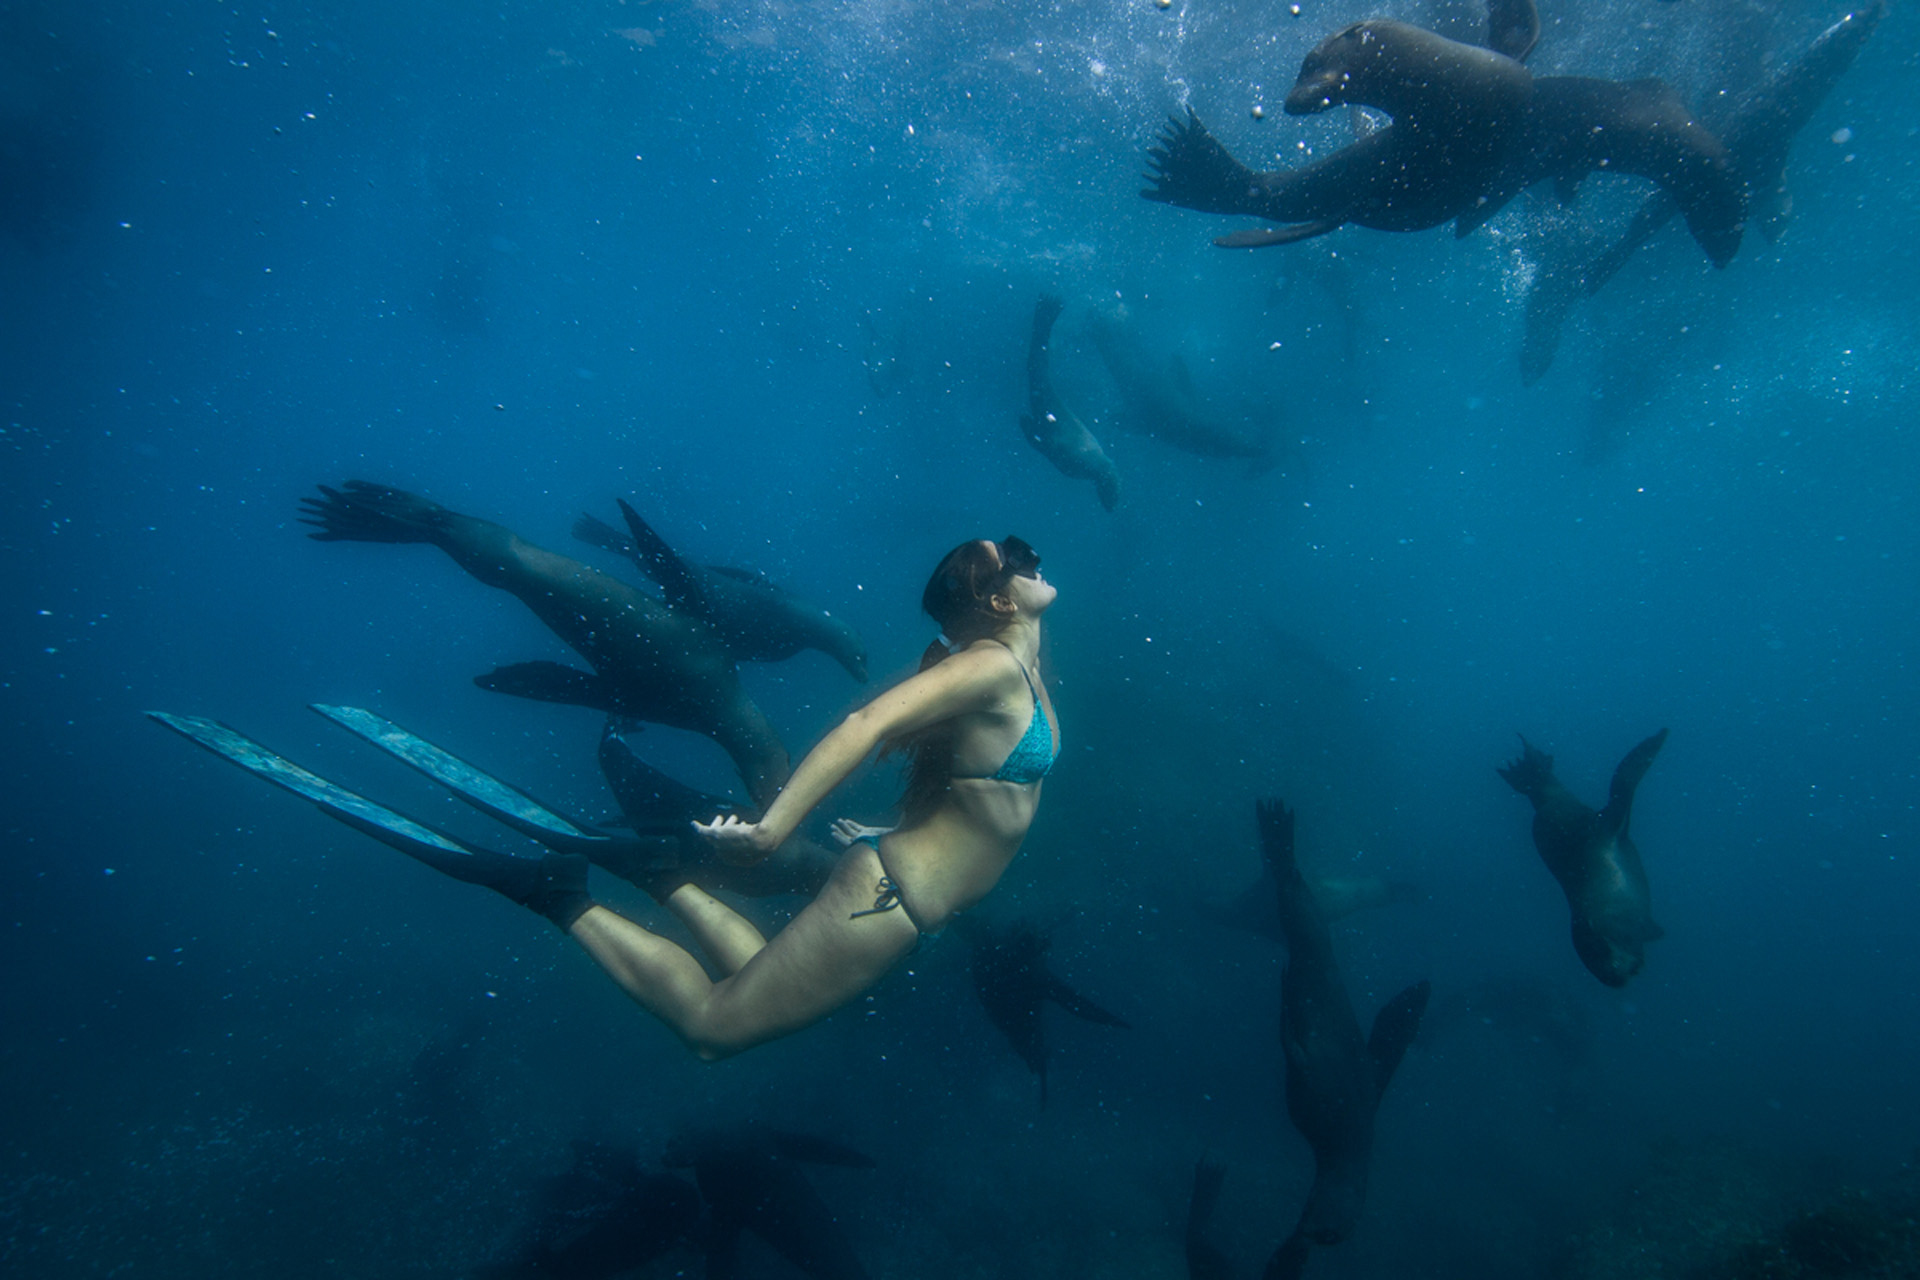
(604, 1217)
(758, 620)
(1011, 977)
(1472, 128)
(1054, 429)
(1335, 1078)
(1758, 133)
(1159, 399)
(1455, 108)
(751, 1180)
(1594, 859)
(649, 661)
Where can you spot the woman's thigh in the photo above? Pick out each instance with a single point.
(823, 958)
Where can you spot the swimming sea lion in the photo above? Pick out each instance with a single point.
(1159, 399)
(1335, 1078)
(758, 620)
(1051, 427)
(1758, 133)
(1594, 859)
(650, 661)
(1455, 107)
(1011, 977)
(1471, 129)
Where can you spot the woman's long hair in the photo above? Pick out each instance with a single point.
(959, 597)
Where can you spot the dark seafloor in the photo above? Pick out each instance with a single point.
(766, 269)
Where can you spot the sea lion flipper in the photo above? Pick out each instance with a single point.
(551, 682)
(675, 576)
(1626, 779)
(595, 532)
(1268, 237)
(814, 1149)
(1081, 1007)
(1394, 1028)
(360, 511)
(1531, 771)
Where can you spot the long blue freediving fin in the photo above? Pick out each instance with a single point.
(398, 831)
(505, 804)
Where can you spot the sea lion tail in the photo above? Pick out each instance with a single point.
(1394, 1028)
(1626, 779)
(1532, 771)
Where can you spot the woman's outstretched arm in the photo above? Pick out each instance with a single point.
(970, 681)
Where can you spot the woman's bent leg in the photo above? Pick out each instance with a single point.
(821, 960)
(728, 938)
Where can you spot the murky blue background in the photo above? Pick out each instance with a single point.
(766, 269)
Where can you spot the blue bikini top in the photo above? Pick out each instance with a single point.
(1032, 757)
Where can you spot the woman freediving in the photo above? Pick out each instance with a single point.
(979, 727)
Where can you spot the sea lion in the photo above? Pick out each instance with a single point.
(649, 661)
(1594, 859)
(752, 1182)
(1051, 427)
(1335, 1078)
(1159, 399)
(1758, 133)
(1455, 109)
(1011, 977)
(1472, 128)
(758, 620)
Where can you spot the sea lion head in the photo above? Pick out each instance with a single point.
(1327, 73)
(1401, 68)
(1611, 956)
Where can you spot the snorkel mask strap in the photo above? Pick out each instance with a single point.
(947, 643)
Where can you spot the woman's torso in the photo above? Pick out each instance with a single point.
(950, 857)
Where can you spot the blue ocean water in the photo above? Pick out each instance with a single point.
(765, 269)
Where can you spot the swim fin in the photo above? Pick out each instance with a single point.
(511, 807)
(554, 885)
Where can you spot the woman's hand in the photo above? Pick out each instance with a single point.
(738, 843)
(846, 831)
